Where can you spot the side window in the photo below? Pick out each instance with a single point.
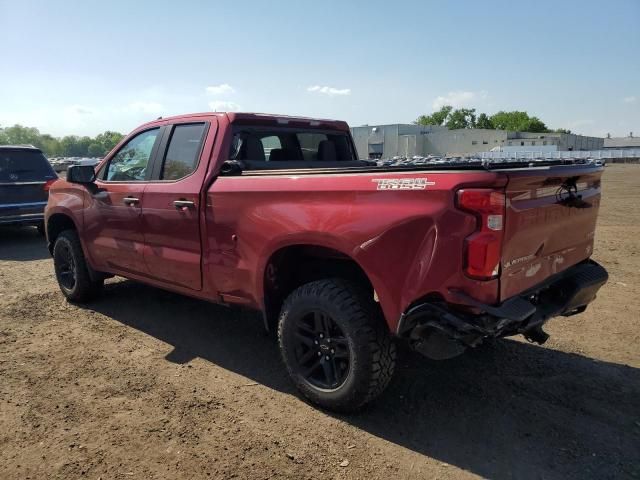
(130, 163)
(183, 152)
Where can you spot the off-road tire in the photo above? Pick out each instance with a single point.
(372, 350)
(84, 288)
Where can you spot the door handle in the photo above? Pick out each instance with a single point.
(183, 204)
(130, 200)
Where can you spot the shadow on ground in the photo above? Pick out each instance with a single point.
(22, 244)
(508, 410)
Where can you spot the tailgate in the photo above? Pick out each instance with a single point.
(550, 223)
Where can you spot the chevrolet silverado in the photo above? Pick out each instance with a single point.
(343, 257)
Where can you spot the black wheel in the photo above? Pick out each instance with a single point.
(41, 229)
(335, 344)
(72, 271)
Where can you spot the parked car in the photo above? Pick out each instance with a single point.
(25, 179)
(342, 257)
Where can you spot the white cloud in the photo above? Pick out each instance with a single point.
(222, 89)
(145, 107)
(223, 106)
(78, 110)
(458, 99)
(631, 99)
(331, 91)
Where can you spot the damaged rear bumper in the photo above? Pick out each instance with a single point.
(440, 331)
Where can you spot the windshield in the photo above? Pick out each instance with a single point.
(24, 166)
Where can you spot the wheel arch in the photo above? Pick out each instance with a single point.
(57, 223)
(293, 265)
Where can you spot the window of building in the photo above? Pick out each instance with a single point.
(533, 143)
(544, 142)
(484, 142)
(522, 144)
(474, 142)
(183, 152)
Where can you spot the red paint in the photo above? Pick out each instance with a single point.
(409, 243)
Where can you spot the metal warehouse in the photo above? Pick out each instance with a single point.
(406, 140)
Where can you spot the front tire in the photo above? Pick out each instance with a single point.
(335, 344)
(72, 271)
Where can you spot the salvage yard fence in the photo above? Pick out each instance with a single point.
(631, 154)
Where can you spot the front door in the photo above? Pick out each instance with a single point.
(171, 206)
(113, 218)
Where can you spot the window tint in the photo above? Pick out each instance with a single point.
(131, 161)
(23, 166)
(183, 152)
(287, 148)
(309, 143)
(270, 143)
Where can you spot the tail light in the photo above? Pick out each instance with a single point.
(48, 184)
(483, 248)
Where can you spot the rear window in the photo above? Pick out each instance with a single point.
(24, 166)
(287, 148)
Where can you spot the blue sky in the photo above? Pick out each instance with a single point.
(82, 67)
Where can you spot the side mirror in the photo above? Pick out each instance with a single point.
(81, 174)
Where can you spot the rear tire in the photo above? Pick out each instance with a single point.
(72, 271)
(335, 344)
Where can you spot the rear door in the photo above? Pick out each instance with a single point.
(171, 206)
(113, 217)
(550, 223)
(25, 175)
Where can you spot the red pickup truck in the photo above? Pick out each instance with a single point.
(341, 256)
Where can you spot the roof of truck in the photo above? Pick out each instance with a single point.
(248, 117)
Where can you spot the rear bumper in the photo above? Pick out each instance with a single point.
(30, 213)
(26, 219)
(565, 294)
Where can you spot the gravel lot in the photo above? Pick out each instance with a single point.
(147, 384)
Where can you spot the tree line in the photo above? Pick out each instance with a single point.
(515, 121)
(67, 146)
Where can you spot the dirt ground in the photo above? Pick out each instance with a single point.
(147, 384)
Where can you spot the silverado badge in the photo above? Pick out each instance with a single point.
(402, 183)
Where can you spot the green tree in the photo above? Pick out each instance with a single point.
(19, 135)
(462, 118)
(484, 122)
(517, 121)
(95, 150)
(562, 130)
(68, 146)
(436, 118)
(108, 140)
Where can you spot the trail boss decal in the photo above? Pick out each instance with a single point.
(402, 183)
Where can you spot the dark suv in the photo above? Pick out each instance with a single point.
(25, 178)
